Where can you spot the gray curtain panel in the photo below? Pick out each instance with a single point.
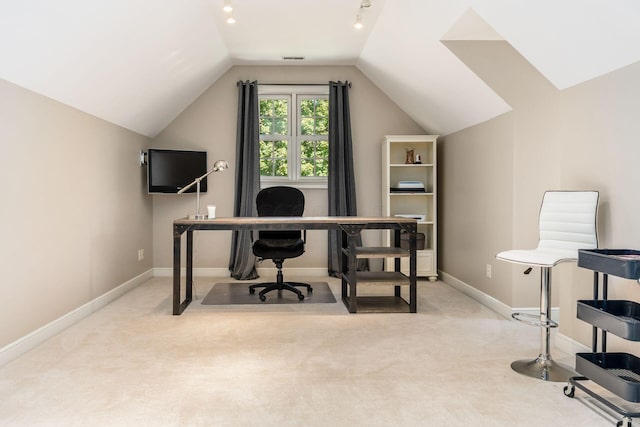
(242, 262)
(341, 182)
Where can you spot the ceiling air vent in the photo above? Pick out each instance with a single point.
(293, 58)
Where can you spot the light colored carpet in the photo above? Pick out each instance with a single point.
(134, 364)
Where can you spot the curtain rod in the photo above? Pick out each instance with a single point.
(297, 84)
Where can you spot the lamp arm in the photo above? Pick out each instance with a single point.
(220, 165)
(197, 180)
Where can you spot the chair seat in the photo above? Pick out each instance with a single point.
(278, 248)
(541, 257)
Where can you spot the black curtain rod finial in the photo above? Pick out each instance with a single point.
(240, 82)
(346, 83)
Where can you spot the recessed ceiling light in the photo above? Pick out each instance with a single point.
(227, 6)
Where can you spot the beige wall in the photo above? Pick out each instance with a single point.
(210, 124)
(74, 212)
(476, 203)
(584, 137)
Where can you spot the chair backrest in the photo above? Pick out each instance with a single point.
(568, 220)
(280, 201)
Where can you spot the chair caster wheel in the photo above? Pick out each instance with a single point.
(263, 298)
(569, 391)
(310, 290)
(300, 297)
(252, 291)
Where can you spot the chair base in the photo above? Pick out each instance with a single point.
(543, 369)
(279, 286)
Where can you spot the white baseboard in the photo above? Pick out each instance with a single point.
(492, 303)
(197, 272)
(224, 272)
(562, 342)
(569, 345)
(22, 345)
(484, 299)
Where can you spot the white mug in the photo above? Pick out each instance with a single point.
(212, 211)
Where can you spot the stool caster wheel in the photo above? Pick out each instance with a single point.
(569, 391)
(263, 298)
(301, 297)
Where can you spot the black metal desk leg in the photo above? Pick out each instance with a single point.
(413, 294)
(177, 237)
(344, 263)
(396, 244)
(178, 307)
(353, 268)
(351, 232)
(189, 283)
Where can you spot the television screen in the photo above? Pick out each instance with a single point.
(170, 170)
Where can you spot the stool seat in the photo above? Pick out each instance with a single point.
(539, 257)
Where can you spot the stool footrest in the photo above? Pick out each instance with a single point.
(533, 320)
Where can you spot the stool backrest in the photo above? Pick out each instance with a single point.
(568, 220)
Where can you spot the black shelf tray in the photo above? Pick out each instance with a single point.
(617, 372)
(618, 262)
(621, 318)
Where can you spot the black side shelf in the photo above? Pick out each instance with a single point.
(618, 262)
(621, 318)
(617, 372)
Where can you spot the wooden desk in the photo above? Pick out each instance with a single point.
(350, 227)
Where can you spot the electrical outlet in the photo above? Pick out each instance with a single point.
(140, 254)
(488, 271)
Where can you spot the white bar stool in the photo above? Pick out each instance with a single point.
(567, 223)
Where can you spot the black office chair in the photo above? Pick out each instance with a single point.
(279, 245)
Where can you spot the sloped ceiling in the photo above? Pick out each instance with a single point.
(139, 63)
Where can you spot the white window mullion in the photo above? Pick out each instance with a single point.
(294, 169)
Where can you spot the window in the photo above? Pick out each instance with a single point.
(294, 131)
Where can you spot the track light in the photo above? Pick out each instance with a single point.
(228, 11)
(364, 4)
(358, 24)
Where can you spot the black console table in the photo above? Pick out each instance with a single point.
(350, 227)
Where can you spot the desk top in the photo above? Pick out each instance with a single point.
(296, 223)
(298, 220)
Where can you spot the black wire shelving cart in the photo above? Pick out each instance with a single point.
(616, 372)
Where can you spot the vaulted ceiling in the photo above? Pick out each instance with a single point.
(139, 63)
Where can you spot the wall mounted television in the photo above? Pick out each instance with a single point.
(170, 170)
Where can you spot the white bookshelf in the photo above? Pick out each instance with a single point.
(422, 204)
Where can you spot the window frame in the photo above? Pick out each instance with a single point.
(295, 94)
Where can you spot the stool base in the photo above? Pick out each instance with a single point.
(543, 369)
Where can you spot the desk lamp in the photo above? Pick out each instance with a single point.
(219, 165)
